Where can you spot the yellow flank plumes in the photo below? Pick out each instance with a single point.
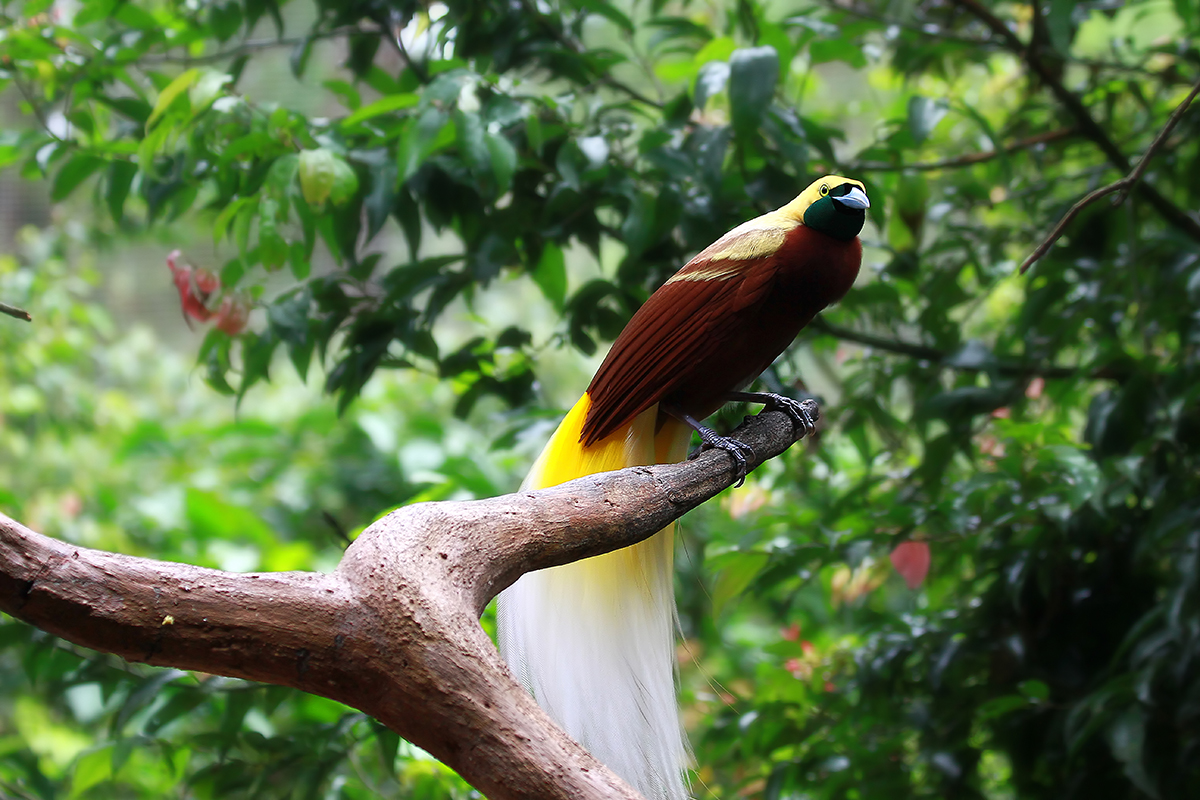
(594, 640)
(564, 459)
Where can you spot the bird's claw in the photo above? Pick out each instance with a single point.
(804, 413)
(740, 452)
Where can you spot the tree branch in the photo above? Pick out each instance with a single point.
(394, 631)
(13, 311)
(969, 159)
(936, 355)
(1123, 186)
(578, 49)
(250, 46)
(1088, 126)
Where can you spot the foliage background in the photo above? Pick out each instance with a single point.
(440, 215)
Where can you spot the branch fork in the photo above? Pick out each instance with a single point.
(394, 630)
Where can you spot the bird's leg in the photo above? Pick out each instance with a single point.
(738, 451)
(804, 413)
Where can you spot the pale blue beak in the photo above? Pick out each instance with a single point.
(855, 198)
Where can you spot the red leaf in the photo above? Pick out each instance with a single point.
(206, 282)
(191, 298)
(232, 316)
(911, 560)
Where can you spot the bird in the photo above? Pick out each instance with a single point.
(594, 641)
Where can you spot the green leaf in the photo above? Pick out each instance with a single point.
(385, 105)
(1058, 23)
(753, 72)
(78, 169)
(1036, 691)
(551, 275)
(381, 197)
(389, 746)
(90, 769)
(120, 178)
(1126, 738)
(206, 88)
(739, 570)
(1000, 706)
(171, 93)
(607, 10)
(143, 696)
(227, 215)
(503, 161)
(272, 249)
(345, 182)
(924, 113)
(710, 80)
(225, 19)
(471, 146)
(298, 59)
(281, 175)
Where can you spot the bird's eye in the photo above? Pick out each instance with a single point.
(824, 189)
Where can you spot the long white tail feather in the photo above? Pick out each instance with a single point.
(594, 642)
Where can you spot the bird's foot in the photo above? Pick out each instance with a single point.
(740, 452)
(804, 413)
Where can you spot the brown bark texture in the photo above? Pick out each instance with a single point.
(394, 630)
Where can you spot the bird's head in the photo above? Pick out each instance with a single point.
(833, 205)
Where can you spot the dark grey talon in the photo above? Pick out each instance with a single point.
(804, 413)
(740, 452)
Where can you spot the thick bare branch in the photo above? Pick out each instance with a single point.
(394, 631)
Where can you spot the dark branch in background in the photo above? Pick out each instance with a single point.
(38, 111)
(932, 31)
(1123, 186)
(13, 311)
(250, 46)
(971, 158)
(939, 32)
(394, 631)
(1088, 126)
(935, 355)
(578, 49)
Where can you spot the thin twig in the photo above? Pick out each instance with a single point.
(933, 354)
(971, 158)
(38, 111)
(933, 31)
(1088, 125)
(937, 30)
(13, 311)
(878, 342)
(577, 48)
(1144, 162)
(1123, 186)
(249, 46)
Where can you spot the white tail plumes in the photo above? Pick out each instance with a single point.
(594, 641)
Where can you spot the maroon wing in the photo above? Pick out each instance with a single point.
(683, 324)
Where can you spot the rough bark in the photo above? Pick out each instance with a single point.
(394, 631)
